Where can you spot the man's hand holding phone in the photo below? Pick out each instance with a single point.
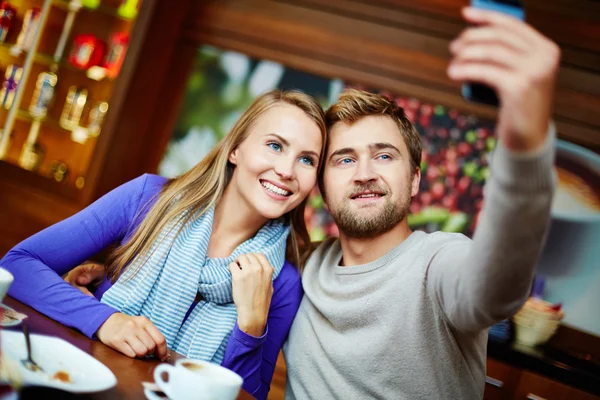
(519, 63)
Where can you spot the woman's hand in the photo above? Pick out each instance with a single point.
(252, 277)
(133, 336)
(84, 275)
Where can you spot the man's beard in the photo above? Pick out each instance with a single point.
(356, 226)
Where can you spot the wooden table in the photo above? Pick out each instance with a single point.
(129, 372)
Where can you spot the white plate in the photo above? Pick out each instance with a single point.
(53, 355)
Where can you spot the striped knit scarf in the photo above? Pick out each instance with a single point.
(165, 287)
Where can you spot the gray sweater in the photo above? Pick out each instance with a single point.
(413, 324)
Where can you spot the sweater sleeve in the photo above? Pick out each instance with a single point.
(254, 358)
(38, 262)
(480, 282)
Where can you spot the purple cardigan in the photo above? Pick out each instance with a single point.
(38, 262)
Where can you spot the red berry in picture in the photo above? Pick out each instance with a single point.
(463, 184)
(463, 149)
(452, 168)
(451, 154)
(482, 133)
(432, 173)
(401, 102)
(450, 202)
(450, 182)
(443, 133)
(438, 190)
(414, 207)
(426, 109)
(413, 103)
(426, 199)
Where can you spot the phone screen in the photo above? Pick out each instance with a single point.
(481, 93)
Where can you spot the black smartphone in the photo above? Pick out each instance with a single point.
(475, 91)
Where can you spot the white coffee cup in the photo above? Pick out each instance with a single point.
(6, 279)
(197, 380)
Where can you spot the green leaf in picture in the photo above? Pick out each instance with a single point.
(316, 202)
(470, 169)
(471, 136)
(457, 222)
(485, 173)
(195, 82)
(317, 234)
(211, 52)
(490, 143)
(232, 93)
(428, 215)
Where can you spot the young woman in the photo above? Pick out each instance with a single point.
(200, 266)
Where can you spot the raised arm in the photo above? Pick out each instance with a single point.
(482, 281)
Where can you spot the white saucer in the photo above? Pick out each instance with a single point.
(151, 395)
(12, 323)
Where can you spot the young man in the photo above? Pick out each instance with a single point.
(394, 314)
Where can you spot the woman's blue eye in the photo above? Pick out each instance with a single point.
(275, 146)
(307, 160)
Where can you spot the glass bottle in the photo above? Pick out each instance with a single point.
(73, 108)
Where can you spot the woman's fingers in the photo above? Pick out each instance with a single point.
(254, 261)
(137, 346)
(234, 268)
(265, 264)
(132, 336)
(160, 343)
(147, 340)
(243, 261)
(126, 349)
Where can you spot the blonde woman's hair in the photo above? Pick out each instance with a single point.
(196, 191)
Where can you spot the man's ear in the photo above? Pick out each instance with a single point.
(233, 157)
(416, 182)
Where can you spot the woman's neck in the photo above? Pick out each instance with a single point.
(234, 222)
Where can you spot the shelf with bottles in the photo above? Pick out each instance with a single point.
(48, 152)
(40, 140)
(99, 55)
(47, 97)
(95, 73)
(56, 88)
(70, 125)
(25, 115)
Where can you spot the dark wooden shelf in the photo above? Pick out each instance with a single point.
(48, 121)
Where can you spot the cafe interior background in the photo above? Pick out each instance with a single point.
(114, 89)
